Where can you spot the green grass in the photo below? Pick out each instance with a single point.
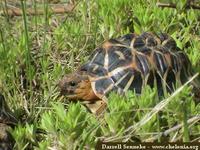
(36, 51)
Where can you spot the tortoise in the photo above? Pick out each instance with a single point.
(129, 62)
(7, 120)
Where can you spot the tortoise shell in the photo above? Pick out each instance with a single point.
(132, 61)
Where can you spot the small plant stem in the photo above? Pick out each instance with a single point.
(172, 5)
(26, 38)
(46, 26)
(192, 120)
(2, 39)
(186, 137)
(43, 60)
(56, 9)
(158, 119)
(27, 55)
(6, 11)
(46, 12)
(96, 26)
(158, 126)
(35, 9)
(4, 47)
(157, 115)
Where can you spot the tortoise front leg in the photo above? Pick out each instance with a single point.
(96, 107)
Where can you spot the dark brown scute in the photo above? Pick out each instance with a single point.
(170, 45)
(99, 60)
(97, 57)
(139, 42)
(137, 82)
(115, 62)
(145, 50)
(171, 81)
(102, 84)
(184, 75)
(126, 39)
(151, 78)
(97, 71)
(162, 49)
(184, 59)
(159, 84)
(113, 41)
(151, 42)
(176, 65)
(163, 36)
(120, 75)
(146, 35)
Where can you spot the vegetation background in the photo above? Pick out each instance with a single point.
(37, 50)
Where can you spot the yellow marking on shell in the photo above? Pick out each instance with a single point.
(95, 68)
(133, 52)
(99, 95)
(178, 61)
(157, 51)
(106, 45)
(112, 73)
(93, 79)
(132, 42)
(149, 64)
(119, 69)
(141, 63)
(134, 64)
(137, 52)
(164, 83)
(106, 60)
(165, 41)
(164, 60)
(120, 80)
(121, 45)
(145, 79)
(121, 39)
(151, 60)
(168, 59)
(120, 54)
(129, 83)
(94, 89)
(160, 63)
(155, 38)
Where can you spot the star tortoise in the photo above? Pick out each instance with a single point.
(130, 62)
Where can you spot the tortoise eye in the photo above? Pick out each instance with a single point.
(72, 83)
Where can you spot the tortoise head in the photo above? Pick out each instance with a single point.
(77, 86)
